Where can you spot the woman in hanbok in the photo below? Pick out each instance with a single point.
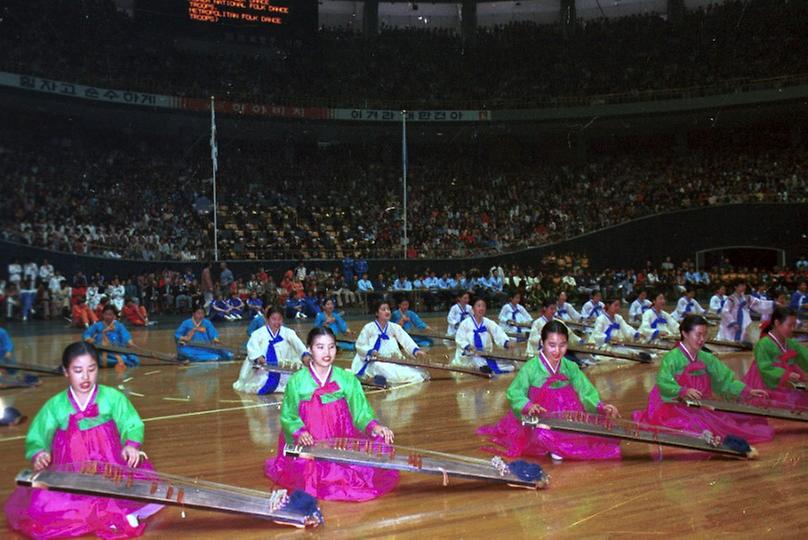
(384, 338)
(688, 372)
(547, 384)
(781, 362)
(323, 402)
(85, 422)
(270, 345)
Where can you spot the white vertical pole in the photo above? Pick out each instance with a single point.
(214, 157)
(404, 173)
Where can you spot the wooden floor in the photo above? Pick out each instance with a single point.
(197, 426)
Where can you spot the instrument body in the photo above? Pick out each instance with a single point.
(109, 480)
(33, 368)
(140, 352)
(601, 426)
(425, 364)
(375, 454)
(791, 413)
(641, 357)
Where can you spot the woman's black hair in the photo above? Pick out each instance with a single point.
(547, 302)
(554, 327)
(318, 331)
(609, 301)
(514, 293)
(109, 307)
(377, 305)
(270, 310)
(74, 350)
(780, 313)
(690, 322)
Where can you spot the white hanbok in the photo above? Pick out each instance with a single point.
(687, 306)
(637, 309)
(534, 340)
(287, 348)
(717, 303)
(567, 312)
(488, 332)
(658, 325)
(608, 330)
(510, 314)
(388, 342)
(736, 318)
(591, 310)
(456, 315)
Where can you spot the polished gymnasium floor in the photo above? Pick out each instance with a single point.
(197, 426)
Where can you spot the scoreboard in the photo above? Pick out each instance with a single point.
(277, 17)
(254, 12)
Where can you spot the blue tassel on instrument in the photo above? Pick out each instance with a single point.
(737, 444)
(300, 501)
(30, 379)
(380, 380)
(529, 472)
(10, 416)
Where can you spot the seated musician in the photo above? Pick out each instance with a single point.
(328, 317)
(198, 330)
(690, 372)
(610, 326)
(269, 345)
(386, 339)
(781, 362)
(550, 383)
(110, 331)
(86, 422)
(478, 334)
(513, 317)
(410, 320)
(656, 322)
(321, 402)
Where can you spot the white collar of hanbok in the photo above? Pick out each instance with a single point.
(83, 406)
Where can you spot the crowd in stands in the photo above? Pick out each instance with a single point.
(354, 284)
(137, 197)
(521, 64)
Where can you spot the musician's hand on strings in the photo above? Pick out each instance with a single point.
(794, 376)
(693, 394)
(260, 361)
(611, 411)
(131, 455)
(758, 393)
(383, 431)
(420, 353)
(42, 461)
(305, 438)
(536, 410)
